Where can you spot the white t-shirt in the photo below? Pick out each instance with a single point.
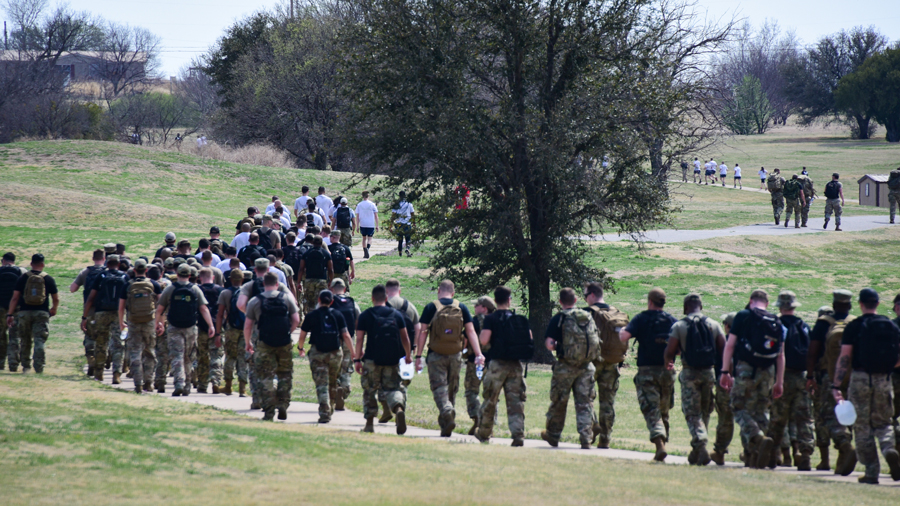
(737, 171)
(326, 240)
(697, 165)
(278, 272)
(707, 166)
(325, 204)
(301, 203)
(215, 258)
(317, 220)
(763, 174)
(225, 265)
(712, 165)
(285, 220)
(404, 213)
(301, 234)
(366, 211)
(240, 240)
(723, 170)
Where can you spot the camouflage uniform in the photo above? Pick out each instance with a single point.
(33, 328)
(89, 338)
(871, 396)
(106, 324)
(895, 380)
(162, 360)
(235, 356)
(311, 289)
(655, 387)
(180, 343)
(837, 432)
(7, 337)
(346, 372)
(750, 399)
(834, 206)
(578, 380)
(793, 206)
(209, 361)
(443, 377)
(607, 378)
(325, 367)
(697, 401)
(804, 210)
(116, 346)
(777, 204)
(725, 420)
(894, 199)
(271, 362)
(793, 406)
(508, 376)
(253, 374)
(140, 343)
(346, 237)
(822, 437)
(473, 386)
(384, 378)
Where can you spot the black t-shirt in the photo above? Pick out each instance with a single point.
(49, 289)
(430, 310)
(793, 361)
(157, 289)
(316, 263)
(313, 320)
(852, 336)
(554, 331)
(368, 324)
(492, 320)
(651, 328)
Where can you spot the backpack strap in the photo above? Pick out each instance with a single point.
(405, 306)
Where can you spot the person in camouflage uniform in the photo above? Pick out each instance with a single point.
(9, 342)
(210, 352)
(338, 288)
(895, 378)
(99, 258)
(724, 415)
(325, 365)
(569, 376)
(809, 194)
(834, 202)
(775, 185)
(106, 325)
(814, 385)
(316, 271)
(697, 377)
(870, 390)
(893, 194)
(793, 197)
(161, 349)
(483, 307)
(32, 322)
(141, 335)
(235, 356)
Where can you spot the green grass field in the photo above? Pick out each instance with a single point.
(67, 439)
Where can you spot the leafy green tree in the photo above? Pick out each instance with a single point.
(747, 111)
(874, 89)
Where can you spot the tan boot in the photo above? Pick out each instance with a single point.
(339, 401)
(370, 426)
(117, 378)
(802, 462)
(242, 388)
(401, 421)
(718, 458)
(227, 389)
(786, 459)
(661, 454)
(386, 414)
(795, 451)
(215, 389)
(846, 461)
(825, 464)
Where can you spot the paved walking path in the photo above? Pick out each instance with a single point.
(751, 188)
(305, 413)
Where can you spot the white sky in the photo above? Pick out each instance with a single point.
(188, 28)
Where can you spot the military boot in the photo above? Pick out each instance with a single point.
(802, 462)
(386, 414)
(604, 441)
(825, 464)
(98, 374)
(201, 389)
(148, 387)
(474, 427)
(764, 453)
(370, 426)
(401, 420)
(324, 408)
(703, 457)
(242, 388)
(661, 454)
(549, 439)
(227, 389)
(846, 461)
(270, 415)
(282, 414)
(90, 364)
(117, 378)
(795, 449)
(161, 389)
(718, 458)
(215, 389)
(339, 400)
(825, 226)
(893, 459)
(595, 430)
(786, 460)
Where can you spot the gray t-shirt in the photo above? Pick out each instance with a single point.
(411, 312)
(255, 305)
(167, 294)
(680, 329)
(247, 290)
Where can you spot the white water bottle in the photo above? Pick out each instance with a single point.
(479, 371)
(407, 371)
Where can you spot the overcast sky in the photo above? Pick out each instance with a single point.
(188, 28)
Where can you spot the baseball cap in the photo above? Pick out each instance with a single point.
(184, 270)
(868, 295)
(140, 264)
(486, 302)
(728, 318)
(841, 296)
(109, 247)
(338, 282)
(169, 261)
(692, 297)
(657, 296)
(343, 200)
(170, 236)
(825, 310)
(787, 298)
(214, 230)
(112, 258)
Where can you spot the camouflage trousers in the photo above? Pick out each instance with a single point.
(443, 377)
(789, 434)
(141, 358)
(210, 360)
(894, 199)
(325, 367)
(655, 387)
(162, 360)
(578, 380)
(724, 420)
(346, 236)
(345, 277)
(871, 396)
(106, 325)
(750, 399)
(895, 380)
(777, 204)
(506, 375)
(235, 355)
(834, 206)
(385, 379)
(180, 343)
(33, 328)
(697, 386)
(273, 362)
(7, 338)
(804, 211)
(837, 432)
(793, 206)
(256, 388)
(473, 386)
(822, 437)
(607, 378)
(311, 289)
(346, 370)
(793, 406)
(88, 341)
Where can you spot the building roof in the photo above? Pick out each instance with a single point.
(14, 55)
(878, 178)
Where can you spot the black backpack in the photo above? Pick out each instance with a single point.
(274, 321)
(250, 253)
(760, 346)
(347, 307)
(110, 287)
(310, 220)
(652, 348)
(90, 280)
(328, 336)
(183, 306)
(796, 345)
(894, 180)
(699, 345)
(878, 344)
(9, 275)
(512, 339)
(292, 257)
(339, 261)
(211, 292)
(343, 217)
(383, 344)
(265, 241)
(236, 317)
(831, 190)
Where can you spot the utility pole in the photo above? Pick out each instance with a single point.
(292, 10)
(6, 37)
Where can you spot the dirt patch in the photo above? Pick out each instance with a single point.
(374, 271)
(673, 252)
(54, 451)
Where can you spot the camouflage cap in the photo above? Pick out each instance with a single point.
(192, 261)
(787, 298)
(338, 282)
(247, 276)
(140, 264)
(112, 259)
(194, 271)
(179, 261)
(841, 296)
(825, 310)
(261, 263)
(109, 247)
(728, 318)
(184, 270)
(169, 262)
(692, 297)
(236, 275)
(487, 303)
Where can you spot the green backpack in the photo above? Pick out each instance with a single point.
(792, 189)
(894, 180)
(808, 190)
(775, 183)
(580, 338)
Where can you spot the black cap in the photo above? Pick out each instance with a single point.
(214, 230)
(868, 295)
(37, 258)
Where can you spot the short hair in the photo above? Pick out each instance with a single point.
(326, 297)
(311, 205)
(254, 237)
(228, 250)
(203, 243)
(291, 237)
(326, 230)
(120, 248)
(365, 194)
(835, 176)
(251, 211)
(98, 255)
(447, 286)
(9, 256)
(317, 240)
(153, 272)
(313, 230)
(321, 189)
(37, 258)
(392, 284)
(567, 296)
(245, 227)
(305, 189)
(234, 263)
(279, 254)
(692, 306)
(871, 304)
(270, 279)
(502, 295)
(594, 288)
(274, 198)
(205, 272)
(379, 294)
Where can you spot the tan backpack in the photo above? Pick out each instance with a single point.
(833, 345)
(446, 331)
(580, 339)
(609, 322)
(141, 303)
(35, 289)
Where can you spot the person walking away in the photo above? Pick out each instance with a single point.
(699, 340)
(411, 318)
(753, 372)
(404, 213)
(231, 319)
(870, 351)
(184, 301)
(341, 259)
(103, 303)
(275, 315)
(655, 384)
(895, 377)
(137, 307)
(710, 172)
(316, 272)
(794, 403)
(366, 222)
(697, 171)
(809, 194)
(29, 311)
(834, 201)
(349, 309)
(793, 196)
(737, 177)
(209, 354)
(724, 415)
(508, 339)
(574, 336)
(723, 173)
(325, 204)
(775, 186)
(85, 279)
(170, 244)
(343, 220)
(329, 332)
(379, 367)
(609, 321)
(484, 306)
(684, 170)
(894, 191)
(763, 175)
(9, 342)
(447, 324)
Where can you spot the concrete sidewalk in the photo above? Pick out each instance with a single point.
(305, 413)
(749, 188)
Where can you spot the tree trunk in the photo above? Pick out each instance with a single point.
(321, 160)
(893, 132)
(862, 122)
(540, 309)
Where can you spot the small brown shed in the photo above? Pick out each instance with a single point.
(873, 190)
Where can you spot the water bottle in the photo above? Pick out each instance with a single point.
(479, 371)
(407, 370)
